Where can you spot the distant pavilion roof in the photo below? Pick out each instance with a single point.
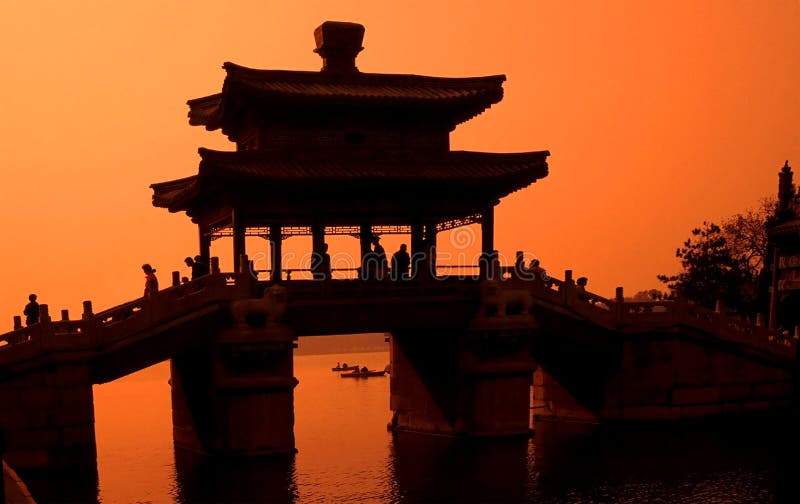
(458, 99)
(473, 174)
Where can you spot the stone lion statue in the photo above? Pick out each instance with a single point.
(495, 299)
(271, 306)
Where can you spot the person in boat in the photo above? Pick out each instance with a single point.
(338, 365)
(364, 370)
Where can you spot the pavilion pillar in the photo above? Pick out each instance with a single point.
(430, 250)
(205, 244)
(365, 237)
(487, 243)
(238, 241)
(417, 252)
(317, 244)
(317, 237)
(276, 251)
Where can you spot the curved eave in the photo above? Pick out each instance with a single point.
(458, 99)
(174, 194)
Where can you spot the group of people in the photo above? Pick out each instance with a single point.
(198, 265)
(374, 264)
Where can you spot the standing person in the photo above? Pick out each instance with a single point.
(150, 280)
(380, 256)
(321, 264)
(400, 263)
(193, 265)
(199, 267)
(581, 288)
(203, 268)
(31, 311)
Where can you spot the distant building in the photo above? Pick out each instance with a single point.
(783, 231)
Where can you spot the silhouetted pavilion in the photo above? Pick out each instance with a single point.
(344, 152)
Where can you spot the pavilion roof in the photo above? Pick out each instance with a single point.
(491, 175)
(457, 99)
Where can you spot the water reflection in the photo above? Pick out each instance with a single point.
(720, 463)
(66, 485)
(206, 479)
(437, 469)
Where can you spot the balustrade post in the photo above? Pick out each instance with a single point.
(718, 307)
(796, 335)
(215, 265)
(44, 314)
(619, 296)
(759, 319)
(569, 288)
(65, 315)
(519, 264)
(87, 310)
(176, 278)
(17, 322)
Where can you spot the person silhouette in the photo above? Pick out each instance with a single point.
(150, 280)
(580, 288)
(321, 264)
(400, 263)
(380, 256)
(199, 267)
(31, 311)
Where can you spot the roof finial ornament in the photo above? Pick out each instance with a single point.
(339, 43)
(786, 191)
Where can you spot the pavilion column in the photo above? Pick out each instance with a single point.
(430, 250)
(205, 244)
(276, 252)
(417, 252)
(365, 236)
(317, 237)
(317, 244)
(238, 241)
(487, 243)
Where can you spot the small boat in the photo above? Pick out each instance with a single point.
(362, 374)
(345, 368)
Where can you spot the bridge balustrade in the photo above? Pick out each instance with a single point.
(115, 324)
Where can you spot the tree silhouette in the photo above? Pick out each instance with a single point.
(712, 271)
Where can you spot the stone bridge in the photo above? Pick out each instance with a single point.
(465, 356)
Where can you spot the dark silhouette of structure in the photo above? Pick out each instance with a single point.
(783, 231)
(350, 153)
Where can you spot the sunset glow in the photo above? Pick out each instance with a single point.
(658, 115)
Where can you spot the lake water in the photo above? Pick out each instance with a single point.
(345, 454)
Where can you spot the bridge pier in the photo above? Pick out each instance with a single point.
(236, 396)
(482, 389)
(47, 418)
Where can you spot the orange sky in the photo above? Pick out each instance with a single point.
(658, 115)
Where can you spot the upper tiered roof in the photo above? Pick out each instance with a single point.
(316, 142)
(454, 99)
